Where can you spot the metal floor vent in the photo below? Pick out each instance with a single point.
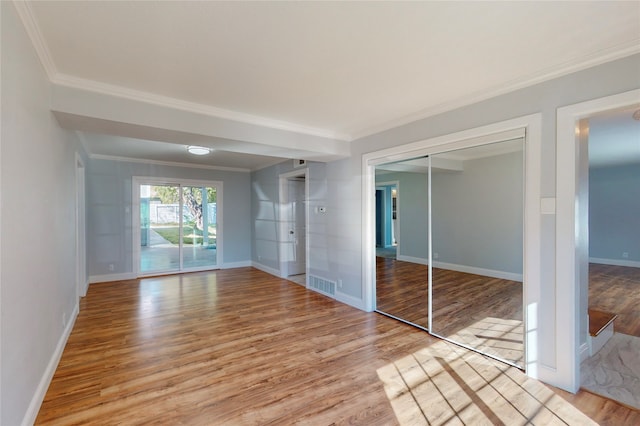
(322, 285)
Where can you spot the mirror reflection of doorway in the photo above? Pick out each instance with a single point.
(472, 200)
(387, 219)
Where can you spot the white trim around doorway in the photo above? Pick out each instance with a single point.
(569, 241)
(282, 229)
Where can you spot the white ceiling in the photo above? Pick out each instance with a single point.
(339, 70)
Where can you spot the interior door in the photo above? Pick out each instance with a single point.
(297, 225)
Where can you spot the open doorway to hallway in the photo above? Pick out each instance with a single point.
(612, 368)
(294, 219)
(575, 251)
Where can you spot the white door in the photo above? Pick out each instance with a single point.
(297, 230)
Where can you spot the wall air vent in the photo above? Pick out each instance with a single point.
(322, 285)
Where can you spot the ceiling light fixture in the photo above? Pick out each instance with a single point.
(198, 150)
(636, 115)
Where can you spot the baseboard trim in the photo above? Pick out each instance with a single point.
(267, 269)
(615, 262)
(242, 264)
(45, 381)
(463, 268)
(111, 277)
(585, 351)
(418, 260)
(350, 300)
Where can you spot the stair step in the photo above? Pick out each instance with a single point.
(599, 320)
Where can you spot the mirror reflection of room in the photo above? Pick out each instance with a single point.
(477, 224)
(477, 246)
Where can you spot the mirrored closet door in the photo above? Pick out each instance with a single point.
(457, 265)
(477, 201)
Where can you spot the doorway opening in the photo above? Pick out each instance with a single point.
(294, 226)
(606, 250)
(177, 225)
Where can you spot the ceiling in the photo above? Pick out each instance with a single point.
(333, 71)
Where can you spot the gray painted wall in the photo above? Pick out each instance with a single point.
(37, 261)
(265, 202)
(413, 238)
(478, 214)
(614, 212)
(109, 198)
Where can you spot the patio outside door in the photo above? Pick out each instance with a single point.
(178, 227)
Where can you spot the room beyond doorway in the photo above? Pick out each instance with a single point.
(294, 224)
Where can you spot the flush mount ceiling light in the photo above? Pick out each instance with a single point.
(198, 150)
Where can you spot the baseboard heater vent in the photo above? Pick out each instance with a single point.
(322, 285)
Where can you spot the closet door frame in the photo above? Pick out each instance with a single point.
(530, 127)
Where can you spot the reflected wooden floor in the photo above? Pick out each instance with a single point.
(239, 346)
(479, 311)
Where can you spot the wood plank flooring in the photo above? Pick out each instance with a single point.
(240, 347)
(475, 310)
(616, 289)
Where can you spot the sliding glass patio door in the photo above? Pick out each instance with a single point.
(177, 226)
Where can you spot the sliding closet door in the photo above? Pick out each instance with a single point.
(477, 248)
(403, 248)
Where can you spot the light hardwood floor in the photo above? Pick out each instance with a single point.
(478, 311)
(241, 347)
(617, 289)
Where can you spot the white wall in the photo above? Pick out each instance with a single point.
(109, 216)
(38, 294)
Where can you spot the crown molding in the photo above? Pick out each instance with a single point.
(174, 103)
(25, 12)
(167, 163)
(569, 67)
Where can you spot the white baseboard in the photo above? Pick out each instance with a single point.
(615, 262)
(45, 380)
(112, 277)
(463, 268)
(350, 300)
(267, 269)
(412, 259)
(585, 350)
(242, 264)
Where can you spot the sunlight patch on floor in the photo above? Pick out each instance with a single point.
(447, 384)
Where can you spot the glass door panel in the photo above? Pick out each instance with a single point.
(199, 226)
(402, 248)
(477, 200)
(159, 228)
